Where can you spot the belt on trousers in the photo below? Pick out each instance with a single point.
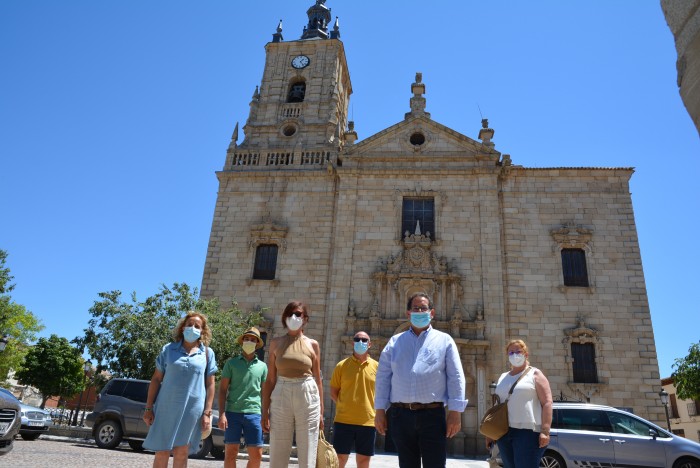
(419, 406)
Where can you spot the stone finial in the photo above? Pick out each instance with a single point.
(335, 34)
(350, 135)
(486, 133)
(277, 37)
(256, 94)
(418, 100)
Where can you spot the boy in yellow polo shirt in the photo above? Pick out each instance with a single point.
(352, 389)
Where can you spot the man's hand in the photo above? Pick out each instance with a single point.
(265, 423)
(454, 423)
(380, 421)
(223, 423)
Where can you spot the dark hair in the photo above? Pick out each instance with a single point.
(290, 307)
(420, 294)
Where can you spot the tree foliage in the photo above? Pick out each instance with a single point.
(18, 324)
(125, 337)
(53, 366)
(686, 374)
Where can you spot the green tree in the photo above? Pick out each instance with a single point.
(126, 337)
(54, 366)
(686, 374)
(18, 324)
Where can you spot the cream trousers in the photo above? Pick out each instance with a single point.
(295, 407)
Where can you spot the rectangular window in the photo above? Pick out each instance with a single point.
(265, 262)
(585, 370)
(418, 212)
(692, 410)
(674, 405)
(573, 263)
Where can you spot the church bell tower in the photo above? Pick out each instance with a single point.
(298, 113)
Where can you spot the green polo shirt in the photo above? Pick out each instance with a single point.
(245, 383)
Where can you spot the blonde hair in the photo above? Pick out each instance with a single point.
(205, 337)
(520, 343)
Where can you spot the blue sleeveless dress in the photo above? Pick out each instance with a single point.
(180, 402)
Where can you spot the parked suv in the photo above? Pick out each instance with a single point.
(594, 435)
(10, 421)
(118, 415)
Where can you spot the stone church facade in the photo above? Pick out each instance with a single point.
(353, 228)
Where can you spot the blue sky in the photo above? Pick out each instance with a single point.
(115, 115)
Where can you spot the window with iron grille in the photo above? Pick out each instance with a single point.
(584, 366)
(418, 210)
(265, 262)
(573, 263)
(692, 409)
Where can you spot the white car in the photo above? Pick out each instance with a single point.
(35, 421)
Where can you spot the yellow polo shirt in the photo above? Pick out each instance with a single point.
(355, 380)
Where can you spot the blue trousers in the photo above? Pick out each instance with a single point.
(520, 448)
(419, 435)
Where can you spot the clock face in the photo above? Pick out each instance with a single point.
(300, 61)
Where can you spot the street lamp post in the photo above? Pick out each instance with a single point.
(86, 368)
(663, 394)
(492, 388)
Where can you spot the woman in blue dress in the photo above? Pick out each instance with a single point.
(182, 388)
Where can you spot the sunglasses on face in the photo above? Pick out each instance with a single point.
(357, 339)
(297, 314)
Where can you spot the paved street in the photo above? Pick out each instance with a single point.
(55, 452)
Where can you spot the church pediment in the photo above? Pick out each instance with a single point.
(421, 138)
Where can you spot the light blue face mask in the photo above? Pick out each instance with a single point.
(420, 319)
(191, 334)
(360, 347)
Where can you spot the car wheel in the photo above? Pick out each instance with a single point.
(552, 460)
(108, 434)
(30, 436)
(136, 445)
(217, 452)
(203, 449)
(687, 463)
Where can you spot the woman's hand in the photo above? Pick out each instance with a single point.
(320, 422)
(489, 444)
(206, 422)
(148, 416)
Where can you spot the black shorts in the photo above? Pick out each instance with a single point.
(345, 435)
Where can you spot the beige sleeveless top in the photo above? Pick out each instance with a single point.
(294, 357)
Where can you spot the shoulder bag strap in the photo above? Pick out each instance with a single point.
(516, 383)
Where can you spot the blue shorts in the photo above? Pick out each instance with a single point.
(345, 435)
(247, 425)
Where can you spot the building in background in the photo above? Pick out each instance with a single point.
(353, 227)
(684, 415)
(683, 17)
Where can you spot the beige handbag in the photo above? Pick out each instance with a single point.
(326, 457)
(494, 424)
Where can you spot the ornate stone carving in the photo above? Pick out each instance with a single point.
(268, 232)
(572, 235)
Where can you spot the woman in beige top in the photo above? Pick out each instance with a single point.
(293, 393)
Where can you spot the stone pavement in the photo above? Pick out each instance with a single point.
(57, 452)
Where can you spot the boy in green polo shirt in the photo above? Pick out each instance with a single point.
(239, 393)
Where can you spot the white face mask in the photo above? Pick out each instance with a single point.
(294, 323)
(516, 360)
(248, 347)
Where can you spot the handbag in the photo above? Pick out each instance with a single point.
(326, 457)
(494, 424)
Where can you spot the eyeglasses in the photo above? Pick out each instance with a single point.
(515, 353)
(357, 339)
(420, 309)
